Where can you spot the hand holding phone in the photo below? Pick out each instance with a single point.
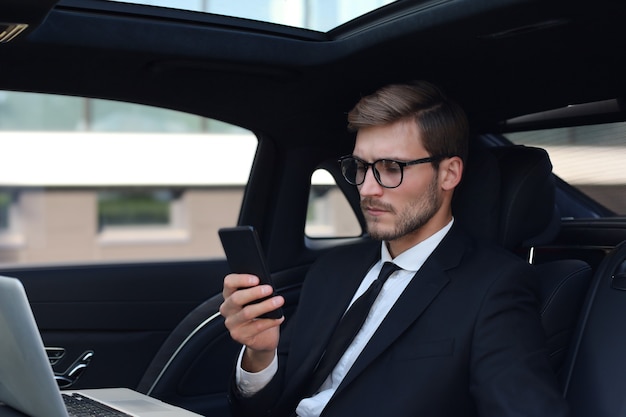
(245, 256)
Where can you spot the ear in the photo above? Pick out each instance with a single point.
(450, 172)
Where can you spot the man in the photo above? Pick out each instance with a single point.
(454, 332)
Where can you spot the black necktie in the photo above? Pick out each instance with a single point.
(348, 327)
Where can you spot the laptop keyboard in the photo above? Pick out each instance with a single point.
(80, 406)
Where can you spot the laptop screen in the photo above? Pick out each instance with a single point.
(27, 381)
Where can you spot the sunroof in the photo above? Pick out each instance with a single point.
(318, 15)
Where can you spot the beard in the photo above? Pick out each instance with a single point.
(410, 219)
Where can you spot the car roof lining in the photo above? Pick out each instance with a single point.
(478, 52)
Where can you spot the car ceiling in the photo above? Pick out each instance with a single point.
(500, 59)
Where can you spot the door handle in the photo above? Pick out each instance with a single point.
(74, 371)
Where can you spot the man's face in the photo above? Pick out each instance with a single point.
(394, 214)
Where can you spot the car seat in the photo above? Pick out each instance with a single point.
(193, 366)
(595, 368)
(514, 187)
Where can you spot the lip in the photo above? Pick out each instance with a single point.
(375, 211)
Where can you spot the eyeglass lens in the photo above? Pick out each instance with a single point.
(388, 173)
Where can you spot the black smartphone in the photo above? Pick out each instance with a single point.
(245, 256)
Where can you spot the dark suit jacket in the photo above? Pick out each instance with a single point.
(464, 339)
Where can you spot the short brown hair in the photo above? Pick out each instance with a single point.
(441, 121)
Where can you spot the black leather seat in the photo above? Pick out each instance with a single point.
(193, 366)
(529, 218)
(182, 372)
(595, 369)
(515, 186)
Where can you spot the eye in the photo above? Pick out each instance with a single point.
(360, 166)
(389, 167)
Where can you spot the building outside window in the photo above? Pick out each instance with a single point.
(588, 158)
(5, 207)
(92, 180)
(135, 207)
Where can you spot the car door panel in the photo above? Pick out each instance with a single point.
(122, 313)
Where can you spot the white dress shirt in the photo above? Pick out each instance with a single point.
(410, 262)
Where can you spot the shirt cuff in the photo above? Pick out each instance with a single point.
(249, 383)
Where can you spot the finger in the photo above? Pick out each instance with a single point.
(251, 295)
(253, 328)
(236, 302)
(234, 282)
(255, 310)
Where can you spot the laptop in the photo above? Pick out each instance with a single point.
(27, 381)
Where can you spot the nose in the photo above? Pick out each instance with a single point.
(370, 186)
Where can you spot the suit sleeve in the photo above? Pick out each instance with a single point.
(511, 374)
(261, 403)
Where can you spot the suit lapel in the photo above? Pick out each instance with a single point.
(424, 287)
(320, 318)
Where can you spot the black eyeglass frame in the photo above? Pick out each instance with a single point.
(401, 164)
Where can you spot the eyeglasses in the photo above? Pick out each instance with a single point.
(388, 172)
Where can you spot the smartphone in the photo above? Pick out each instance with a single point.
(245, 256)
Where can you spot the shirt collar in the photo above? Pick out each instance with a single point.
(412, 259)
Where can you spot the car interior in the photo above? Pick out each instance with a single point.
(543, 86)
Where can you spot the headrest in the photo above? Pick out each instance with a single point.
(507, 196)
(527, 211)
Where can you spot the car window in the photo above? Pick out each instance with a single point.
(589, 158)
(87, 180)
(315, 15)
(329, 214)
